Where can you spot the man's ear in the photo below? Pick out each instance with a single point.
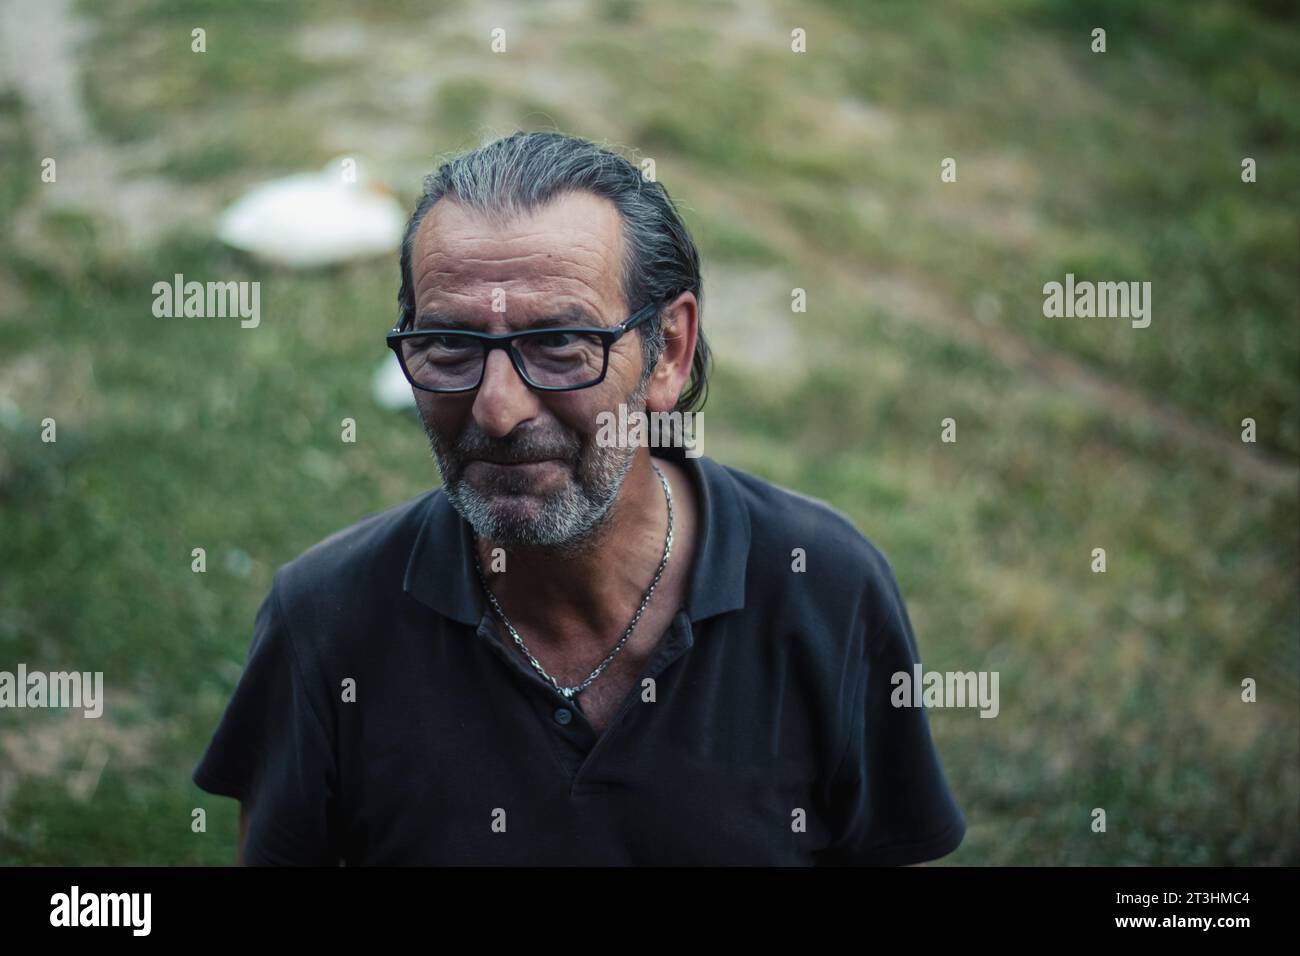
(680, 323)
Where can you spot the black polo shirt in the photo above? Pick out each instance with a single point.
(769, 738)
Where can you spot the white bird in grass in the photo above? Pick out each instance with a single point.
(310, 220)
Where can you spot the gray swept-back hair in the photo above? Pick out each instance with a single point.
(517, 174)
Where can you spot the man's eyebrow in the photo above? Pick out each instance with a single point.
(441, 320)
(573, 315)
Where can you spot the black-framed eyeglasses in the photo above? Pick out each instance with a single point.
(559, 359)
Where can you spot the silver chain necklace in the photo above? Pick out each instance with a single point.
(570, 692)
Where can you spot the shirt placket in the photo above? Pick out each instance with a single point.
(576, 743)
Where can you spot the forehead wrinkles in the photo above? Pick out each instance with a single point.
(462, 251)
(491, 262)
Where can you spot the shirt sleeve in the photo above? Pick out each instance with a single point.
(271, 751)
(891, 804)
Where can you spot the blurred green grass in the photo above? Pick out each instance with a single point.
(1118, 690)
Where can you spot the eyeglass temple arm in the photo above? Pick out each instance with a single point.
(644, 313)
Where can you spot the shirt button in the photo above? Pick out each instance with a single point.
(563, 715)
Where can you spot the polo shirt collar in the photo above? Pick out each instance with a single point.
(440, 573)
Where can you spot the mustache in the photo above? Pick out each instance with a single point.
(526, 446)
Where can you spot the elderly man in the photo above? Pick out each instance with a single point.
(576, 651)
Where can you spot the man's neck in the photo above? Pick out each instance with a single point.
(588, 594)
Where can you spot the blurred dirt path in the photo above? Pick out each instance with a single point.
(39, 58)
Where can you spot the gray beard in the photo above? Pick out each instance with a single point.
(565, 521)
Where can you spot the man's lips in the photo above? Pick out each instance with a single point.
(531, 463)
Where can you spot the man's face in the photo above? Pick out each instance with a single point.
(522, 466)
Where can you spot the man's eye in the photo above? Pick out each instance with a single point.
(555, 340)
(446, 343)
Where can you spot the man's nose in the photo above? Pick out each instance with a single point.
(503, 399)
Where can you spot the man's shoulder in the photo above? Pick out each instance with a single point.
(375, 548)
(832, 550)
